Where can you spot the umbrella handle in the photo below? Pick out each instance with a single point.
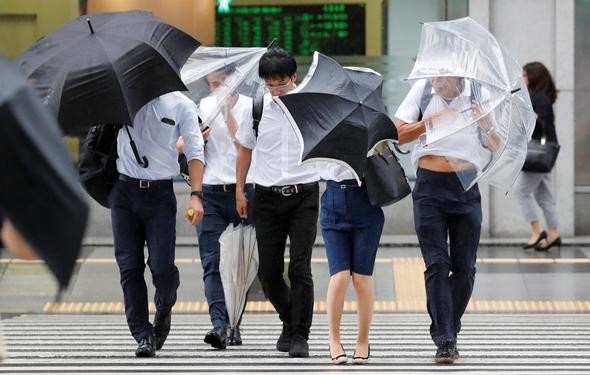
(140, 160)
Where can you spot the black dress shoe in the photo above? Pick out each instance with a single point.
(161, 328)
(299, 347)
(284, 341)
(555, 242)
(146, 347)
(541, 237)
(233, 336)
(445, 352)
(217, 337)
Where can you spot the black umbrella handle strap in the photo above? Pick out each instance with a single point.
(141, 160)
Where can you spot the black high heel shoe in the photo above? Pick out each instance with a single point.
(339, 359)
(361, 360)
(555, 242)
(542, 236)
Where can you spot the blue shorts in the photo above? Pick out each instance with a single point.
(351, 228)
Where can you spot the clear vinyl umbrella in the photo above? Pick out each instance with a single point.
(238, 267)
(495, 116)
(239, 67)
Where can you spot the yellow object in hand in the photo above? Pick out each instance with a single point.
(190, 212)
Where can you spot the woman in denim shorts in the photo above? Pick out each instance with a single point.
(351, 228)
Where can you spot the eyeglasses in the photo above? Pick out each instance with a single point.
(275, 87)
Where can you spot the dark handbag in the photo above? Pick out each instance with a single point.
(98, 162)
(540, 156)
(385, 178)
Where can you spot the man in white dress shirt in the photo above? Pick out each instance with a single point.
(219, 186)
(143, 210)
(286, 203)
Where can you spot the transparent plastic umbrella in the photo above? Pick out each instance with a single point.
(238, 267)
(494, 97)
(240, 68)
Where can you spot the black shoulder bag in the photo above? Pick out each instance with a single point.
(541, 155)
(385, 178)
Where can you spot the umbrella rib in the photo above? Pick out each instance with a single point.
(485, 56)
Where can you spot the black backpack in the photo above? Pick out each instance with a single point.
(98, 162)
(97, 167)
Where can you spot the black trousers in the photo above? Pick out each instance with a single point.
(442, 209)
(276, 217)
(142, 216)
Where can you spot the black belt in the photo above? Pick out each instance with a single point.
(222, 187)
(145, 184)
(288, 190)
(344, 184)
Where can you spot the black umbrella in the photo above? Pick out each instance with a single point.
(39, 192)
(338, 113)
(102, 68)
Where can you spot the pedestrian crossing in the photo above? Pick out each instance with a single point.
(488, 343)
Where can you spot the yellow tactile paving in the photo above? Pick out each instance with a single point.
(349, 306)
(408, 275)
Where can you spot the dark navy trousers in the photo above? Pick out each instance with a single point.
(443, 210)
(220, 211)
(139, 216)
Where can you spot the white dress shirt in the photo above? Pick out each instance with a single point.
(334, 171)
(220, 150)
(156, 140)
(463, 145)
(276, 149)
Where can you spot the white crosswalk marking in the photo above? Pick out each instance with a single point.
(488, 343)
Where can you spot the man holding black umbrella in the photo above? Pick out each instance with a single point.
(143, 210)
(286, 202)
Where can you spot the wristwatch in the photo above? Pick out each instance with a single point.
(198, 194)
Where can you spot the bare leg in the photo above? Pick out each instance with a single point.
(335, 299)
(363, 285)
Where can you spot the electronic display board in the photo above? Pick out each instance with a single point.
(333, 29)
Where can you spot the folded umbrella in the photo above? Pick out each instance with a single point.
(39, 193)
(102, 68)
(338, 113)
(238, 267)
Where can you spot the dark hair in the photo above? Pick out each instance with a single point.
(540, 80)
(276, 63)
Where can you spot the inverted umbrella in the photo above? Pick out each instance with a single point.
(239, 67)
(238, 267)
(102, 68)
(338, 113)
(498, 100)
(39, 193)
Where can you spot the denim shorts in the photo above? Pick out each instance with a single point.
(351, 228)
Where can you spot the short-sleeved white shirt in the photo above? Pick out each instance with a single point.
(463, 145)
(156, 139)
(276, 149)
(220, 151)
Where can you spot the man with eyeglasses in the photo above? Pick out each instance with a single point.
(286, 203)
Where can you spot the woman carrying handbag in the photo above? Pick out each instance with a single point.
(538, 188)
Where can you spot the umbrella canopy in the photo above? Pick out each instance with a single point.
(115, 61)
(39, 193)
(338, 113)
(238, 266)
(237, 67)
(498, 99)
